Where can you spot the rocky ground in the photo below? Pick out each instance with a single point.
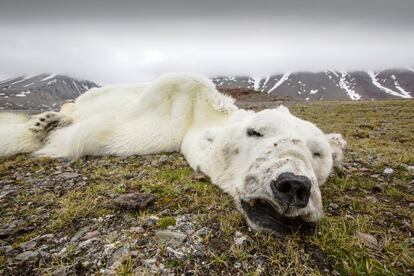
(153, 215)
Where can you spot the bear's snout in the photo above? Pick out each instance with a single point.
(292, 189)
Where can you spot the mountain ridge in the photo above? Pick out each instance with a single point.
(41, 92)
(328, 85)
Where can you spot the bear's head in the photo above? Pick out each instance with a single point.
(273, 164)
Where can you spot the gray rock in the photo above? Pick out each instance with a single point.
(119, 254)
(80, 233)
(202, 232)
(333, 206)
(388, 172)
(133, 201)
(380, 187)
(136, 230)
(26, 256)
(6, 249)
(409, 168)
(69, 175)
(60, 272)
(199, 176)
(91, 235)
(171, 238)
(367, 239)
(29, 245)
(240, 239)
(88, 243)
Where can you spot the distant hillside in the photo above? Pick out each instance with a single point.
(41, 92)
(48, 92)
(328, 85)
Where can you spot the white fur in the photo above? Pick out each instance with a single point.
(184, 113)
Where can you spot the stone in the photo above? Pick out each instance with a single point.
(29, 245)
(26, 256)
(136, 230)
(367, 239)
(409, 168)
(388, 172)
(199, 176)
(202, 232)
(171, 238)
(380, 187)
(6, 249)
(240, 239)
(119, 254)
(91, 235)
(333, 206)
(80, 233)
(133, 201)
(151, 221)
(60, 272)
(69, 175)
(88, 243)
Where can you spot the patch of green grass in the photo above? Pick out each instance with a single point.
(164, 222)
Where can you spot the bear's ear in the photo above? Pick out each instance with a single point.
(283, 108)
(338, 145)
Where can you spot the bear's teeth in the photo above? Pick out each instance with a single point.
(252, 202)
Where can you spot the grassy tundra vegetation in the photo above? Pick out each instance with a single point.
(61, 212)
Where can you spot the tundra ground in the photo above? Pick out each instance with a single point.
(58, 217)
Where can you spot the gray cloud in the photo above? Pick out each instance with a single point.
(129, 41)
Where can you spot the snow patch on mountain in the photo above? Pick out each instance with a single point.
(347, 87)
(48, 77)
(279, 82)
(403, 94)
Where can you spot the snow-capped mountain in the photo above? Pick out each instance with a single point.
(41, 92)
(328, 85)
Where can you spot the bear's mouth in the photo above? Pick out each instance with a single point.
(264, 214)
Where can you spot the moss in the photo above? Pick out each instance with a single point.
(164, 222)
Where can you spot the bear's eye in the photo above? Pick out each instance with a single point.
(317, 155)
(253, 133)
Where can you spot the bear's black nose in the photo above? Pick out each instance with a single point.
(292, 189)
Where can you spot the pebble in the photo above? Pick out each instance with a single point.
(60, 272)
(80, 233)
(379, 187)
(202, 232)
(6, 249)
(409, 168)
(388, 172)
(25, 246)
(133, 201)
(119, 254)
(69, 175)
(136, 230)
(26, 256)
(87, 243)
(240, 239)
(171, 238)
(199, 176)
(369, 240)
(333, 206)
(91, 235)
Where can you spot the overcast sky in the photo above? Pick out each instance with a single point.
(113, 41)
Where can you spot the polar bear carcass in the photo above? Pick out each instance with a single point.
(271, 162)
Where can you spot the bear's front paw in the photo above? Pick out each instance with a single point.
(43, 123)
